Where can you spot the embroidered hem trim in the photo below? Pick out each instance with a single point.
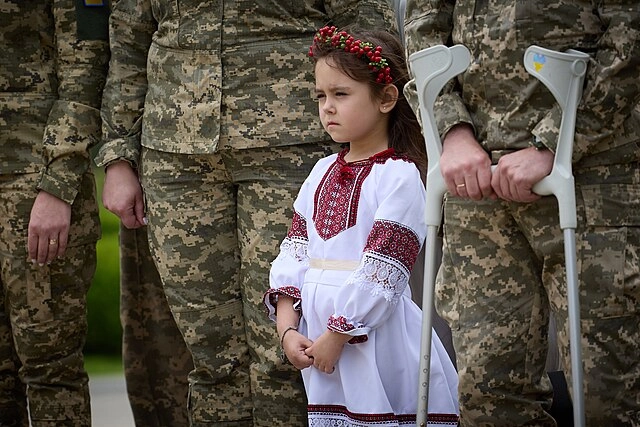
(338, 415)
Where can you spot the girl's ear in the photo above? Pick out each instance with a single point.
(389, 98)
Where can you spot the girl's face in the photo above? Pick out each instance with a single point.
(348, 111)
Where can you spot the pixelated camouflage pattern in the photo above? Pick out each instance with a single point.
(50, 85)
(203, 83)
(48, 80)
(499, 320)
(155, 357)
(503, 264)
(43, 317)
(504, 103)
(213, 249)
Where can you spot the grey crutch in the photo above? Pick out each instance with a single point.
(563, 74)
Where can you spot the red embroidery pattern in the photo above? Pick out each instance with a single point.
(358, 339)
(395, 241)
(338, 195)
(297, 242)
(298, 227)
(340, 324)
(338, 415)
(289, 291)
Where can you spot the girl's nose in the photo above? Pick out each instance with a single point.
(328, 107)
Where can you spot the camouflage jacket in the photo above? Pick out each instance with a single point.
(192, 76)
(52, 70)
(505, 104)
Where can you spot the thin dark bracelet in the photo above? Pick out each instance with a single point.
(289, 328)
(283, 356)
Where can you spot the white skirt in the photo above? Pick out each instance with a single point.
(376, 382)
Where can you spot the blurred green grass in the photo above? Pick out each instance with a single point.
(98, 364)
(104, 335)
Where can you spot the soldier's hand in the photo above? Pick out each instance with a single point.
(516, 174)
(122, 194)
(48, 231)
(465, 166)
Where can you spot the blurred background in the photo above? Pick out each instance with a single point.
(104, 339)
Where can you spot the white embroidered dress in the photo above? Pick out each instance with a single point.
(356, 233)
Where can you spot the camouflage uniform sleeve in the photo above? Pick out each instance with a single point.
(430, 23)
(362, 13)
(131, 27)
(73, 125)
(612, 83)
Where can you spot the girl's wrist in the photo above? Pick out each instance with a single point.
(284, 333)
(283, 355)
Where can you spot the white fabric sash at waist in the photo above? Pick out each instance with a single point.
(333, 264)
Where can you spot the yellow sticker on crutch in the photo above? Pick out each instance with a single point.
(538, 61)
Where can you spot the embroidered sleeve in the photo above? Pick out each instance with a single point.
(372, 292)
(270, 299)
(289, 267)
(296, 243)
(389, 255)
(342, 325)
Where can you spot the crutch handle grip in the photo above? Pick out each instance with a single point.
(433, 68)
(563, 74)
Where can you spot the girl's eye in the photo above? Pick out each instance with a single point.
(318, 97)
(341, 94)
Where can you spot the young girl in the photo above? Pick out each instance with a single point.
(339, 287)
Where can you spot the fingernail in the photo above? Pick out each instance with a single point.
(33, 261)
(145, 220)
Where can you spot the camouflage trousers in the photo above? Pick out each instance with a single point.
(503, 271)
(215, 225)
(43, 321)
(155, 357)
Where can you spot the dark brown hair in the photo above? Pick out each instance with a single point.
(405, 134)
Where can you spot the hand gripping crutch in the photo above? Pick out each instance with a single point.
(563, 74)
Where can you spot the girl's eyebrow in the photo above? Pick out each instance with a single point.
(334, 88)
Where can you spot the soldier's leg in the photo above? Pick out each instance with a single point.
(192, 227)
(269, 181)
(608, 253)
(156, 359)
(13, 397)
(50, 326)
(47, 308)
(497, 308)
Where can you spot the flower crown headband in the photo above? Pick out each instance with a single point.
(365, 50)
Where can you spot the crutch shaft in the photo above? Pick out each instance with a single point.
(430, 270)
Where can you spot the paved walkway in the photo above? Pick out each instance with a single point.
(109, 404)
